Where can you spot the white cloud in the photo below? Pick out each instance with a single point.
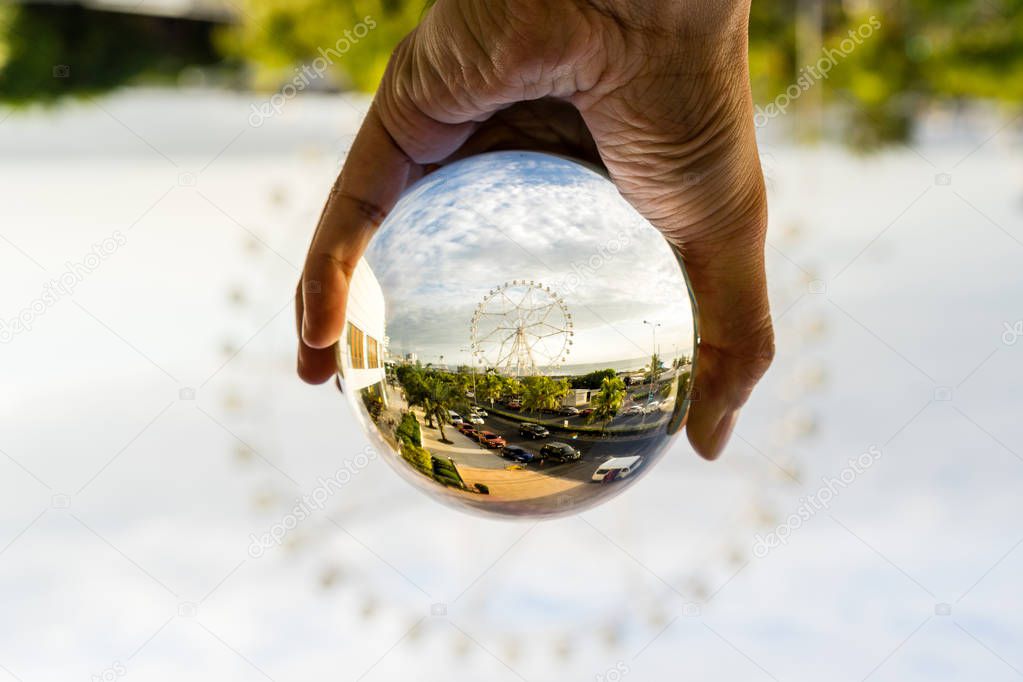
(513, 215)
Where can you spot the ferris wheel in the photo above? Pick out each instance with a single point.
(521, 328)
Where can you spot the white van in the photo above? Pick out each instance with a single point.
(616, 468)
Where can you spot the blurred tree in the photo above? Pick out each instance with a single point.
(907, 53)
(914, 53)
(356, 36)
(48, 51)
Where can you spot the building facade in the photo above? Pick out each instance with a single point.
(362, 341)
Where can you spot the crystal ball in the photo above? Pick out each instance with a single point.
(519, 340)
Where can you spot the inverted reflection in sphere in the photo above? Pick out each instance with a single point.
(519, 340)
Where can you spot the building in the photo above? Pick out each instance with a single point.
(578, 397)
(362, 341)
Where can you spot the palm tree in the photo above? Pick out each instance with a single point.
(559, 390)
(655, 369)
(412, 385)
(439, 397)
(488, 387)
(607, 401)
(543, 393)
(510, 387)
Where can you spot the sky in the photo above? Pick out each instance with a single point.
(508, 216)
(164, 492)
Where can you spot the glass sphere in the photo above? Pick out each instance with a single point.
(519, 340)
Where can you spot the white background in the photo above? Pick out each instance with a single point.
(127, 511)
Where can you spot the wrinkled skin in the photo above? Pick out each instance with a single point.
(656, 91)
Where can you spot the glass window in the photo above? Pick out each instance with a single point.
(356, 347)
(372, 352)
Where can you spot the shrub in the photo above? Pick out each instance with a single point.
(418, 457)
(446, 473)
(408, 430)
(449, 481)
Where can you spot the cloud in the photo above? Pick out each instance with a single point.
(515, 215)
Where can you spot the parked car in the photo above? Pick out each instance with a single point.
(490, 439)
(474, 419)
(650, 408)
(616, 468)
(633, 410)
(533, 431)
(586, 412)
(559, 452)
(454, 417)
(569, 411)
(514, 404)
(479, 412)
(469, 431)
(517, 454)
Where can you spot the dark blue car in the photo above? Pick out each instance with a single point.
(517, 454)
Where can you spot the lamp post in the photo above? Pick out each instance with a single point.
(472, 366)
(653, 368)
(653, 329)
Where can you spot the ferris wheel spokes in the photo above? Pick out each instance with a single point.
(521, 327)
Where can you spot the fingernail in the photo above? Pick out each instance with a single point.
(722, 432)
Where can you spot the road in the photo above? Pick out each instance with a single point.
(594, 448)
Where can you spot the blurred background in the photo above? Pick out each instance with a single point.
(162, 165)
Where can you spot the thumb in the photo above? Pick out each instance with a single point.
(736, 335)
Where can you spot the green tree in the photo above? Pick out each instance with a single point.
(656, 367)
(607, 401)
(510, 387)
(357, 36)
(592, 380)
(488, 387)
(541, 393)
(413, 384)
(439, 398)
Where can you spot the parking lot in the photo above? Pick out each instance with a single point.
(594, 448)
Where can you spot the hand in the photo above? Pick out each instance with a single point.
(655, 90)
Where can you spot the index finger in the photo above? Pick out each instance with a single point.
(373, 177)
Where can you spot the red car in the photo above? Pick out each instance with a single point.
(490, 439)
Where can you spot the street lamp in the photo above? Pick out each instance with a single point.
(653, 329)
